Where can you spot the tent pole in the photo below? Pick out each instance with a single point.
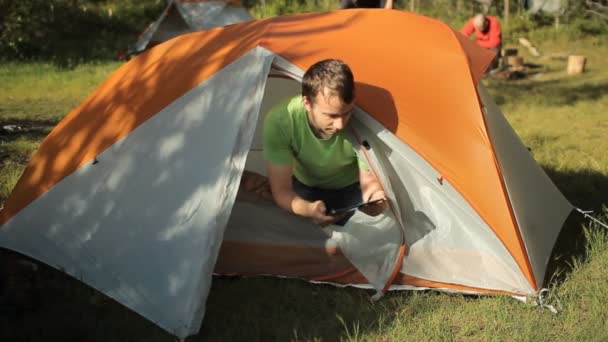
(586, 214)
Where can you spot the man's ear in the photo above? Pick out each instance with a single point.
(307, 103)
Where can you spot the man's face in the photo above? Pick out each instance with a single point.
(328, 114)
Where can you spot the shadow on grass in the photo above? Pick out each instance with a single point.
(38, 301)
(283, 309)
(548, 93)
(587, 190)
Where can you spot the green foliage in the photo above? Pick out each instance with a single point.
(525, 23)
(447, 10)
(270, 8)
(71, 31)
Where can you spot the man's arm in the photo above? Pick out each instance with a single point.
(468, 28)
(388, 4)
(280, 179)
(371, 190)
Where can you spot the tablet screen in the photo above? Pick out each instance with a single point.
(351, 207)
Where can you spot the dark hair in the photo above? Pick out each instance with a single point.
(333, 74)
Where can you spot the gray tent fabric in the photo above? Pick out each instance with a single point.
(543, 207)
(446, 238)
(155, 257)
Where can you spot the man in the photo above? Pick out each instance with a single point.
(311, 163)
(487, 31)
(346, 4)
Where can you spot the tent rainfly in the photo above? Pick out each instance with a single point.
(136, 191)
(184, 16)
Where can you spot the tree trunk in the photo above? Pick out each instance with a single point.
(506, 12)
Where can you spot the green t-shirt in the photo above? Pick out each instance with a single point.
(324, 163)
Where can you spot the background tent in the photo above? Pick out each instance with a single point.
(546, 6)
(183, 16)
(136, 191)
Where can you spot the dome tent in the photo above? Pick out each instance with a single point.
(135, 191)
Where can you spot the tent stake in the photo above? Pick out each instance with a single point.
(542, 302)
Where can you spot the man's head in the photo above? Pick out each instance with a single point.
(480, 22)
(328, 92)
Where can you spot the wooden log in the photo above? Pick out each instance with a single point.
(533, 49)
(576, 64)
(506, 53)
(515, 62)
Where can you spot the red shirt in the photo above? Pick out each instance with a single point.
(489, 39)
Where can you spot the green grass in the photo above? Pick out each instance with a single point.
(563, 119)
(44, 92)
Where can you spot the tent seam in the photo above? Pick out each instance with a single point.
(508, 197)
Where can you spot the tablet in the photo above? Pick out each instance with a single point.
(344, 210)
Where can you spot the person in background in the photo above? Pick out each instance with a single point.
(346, 4)
(488, 34)
(311, 162)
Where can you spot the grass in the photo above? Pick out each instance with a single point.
(561, 118)
(45, 92)
(33, 98)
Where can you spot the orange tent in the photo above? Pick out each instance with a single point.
(135, 190)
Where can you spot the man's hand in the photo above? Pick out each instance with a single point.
(318, 213)
(371, 190)
(376, 208)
